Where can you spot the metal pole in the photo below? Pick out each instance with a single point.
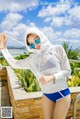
(75, 106)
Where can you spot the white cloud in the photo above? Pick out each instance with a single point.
(72, 33)
(48, 19)
(75, 12)
(52, 14)
(53, 11)
(50, 33)
(18, 5)
(68, 40)
(19, 31)
(61, 14)
(59, 21)
(10, 20)
(57, 37)
(73, 43)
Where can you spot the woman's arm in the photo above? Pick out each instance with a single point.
(27, 63)
(64, 63)
(13, 62)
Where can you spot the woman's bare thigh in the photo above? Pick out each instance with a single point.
(48, 107)
(62, 107)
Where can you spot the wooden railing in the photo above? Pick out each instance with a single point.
(72, 60)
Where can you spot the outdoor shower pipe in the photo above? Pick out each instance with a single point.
(75, 106)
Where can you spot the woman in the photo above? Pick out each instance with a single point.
(51, 66)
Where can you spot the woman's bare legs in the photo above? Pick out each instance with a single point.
(48, 107)
(61, 107)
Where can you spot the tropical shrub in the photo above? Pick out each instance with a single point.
(75, 80)
(27, 80)
(3, 62)
(71, 53)
(74, 65)
(22, 56)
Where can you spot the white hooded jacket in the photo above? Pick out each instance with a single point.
(49, 60)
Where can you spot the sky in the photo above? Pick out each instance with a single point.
(59, 20)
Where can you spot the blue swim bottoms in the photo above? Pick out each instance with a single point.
(58, 95)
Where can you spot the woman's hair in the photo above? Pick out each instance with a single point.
(28, 37)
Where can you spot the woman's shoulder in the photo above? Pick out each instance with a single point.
(57, 47)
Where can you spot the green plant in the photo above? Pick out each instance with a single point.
(72, 54)
(22, 56)
(74, 65)
(3, 62)
(27, 80)
(75, 80)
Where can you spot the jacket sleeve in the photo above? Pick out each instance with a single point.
(27, 63)
(13, 62)
(64, 64)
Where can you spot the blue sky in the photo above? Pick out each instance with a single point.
(58, 19)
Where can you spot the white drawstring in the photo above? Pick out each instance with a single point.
(15, 39)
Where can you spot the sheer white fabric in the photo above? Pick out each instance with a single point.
(50, 59)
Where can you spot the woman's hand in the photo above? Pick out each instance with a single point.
(46, 79)
(2, 41)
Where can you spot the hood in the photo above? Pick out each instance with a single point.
(44, 40)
